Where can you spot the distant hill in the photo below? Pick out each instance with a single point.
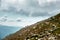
(48, 29)
(6, 30)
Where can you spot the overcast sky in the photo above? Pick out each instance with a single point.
(30, 10)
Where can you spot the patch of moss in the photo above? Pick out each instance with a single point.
(56, 31)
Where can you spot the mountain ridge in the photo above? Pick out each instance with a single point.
(6, 30)
(48, 29)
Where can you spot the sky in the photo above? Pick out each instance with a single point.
(26, 12)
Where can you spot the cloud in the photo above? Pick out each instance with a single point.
(27, 12)
(30, 7)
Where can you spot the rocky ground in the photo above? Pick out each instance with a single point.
(48, 29)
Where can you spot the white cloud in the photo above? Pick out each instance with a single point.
(42, 2)
(25, 21)
(28, 8)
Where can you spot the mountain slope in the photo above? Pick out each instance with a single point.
(48, 29)
(6, 30)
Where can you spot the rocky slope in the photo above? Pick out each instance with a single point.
(48, 29)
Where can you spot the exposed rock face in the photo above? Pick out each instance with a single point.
(48, 29)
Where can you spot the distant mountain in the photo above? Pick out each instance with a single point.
(6, 30)
(48, 29)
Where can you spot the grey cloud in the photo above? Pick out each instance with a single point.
(3, 19)
(34, 7)
(32, 3)
(23, 12)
